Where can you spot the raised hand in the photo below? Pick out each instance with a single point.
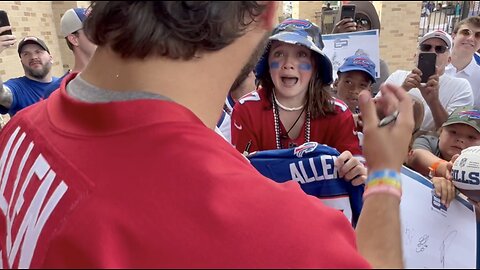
(6, 41)
(345, 25)
(378, 148)
(351, 168)
(413, 80)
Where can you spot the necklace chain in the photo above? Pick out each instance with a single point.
(276, 120)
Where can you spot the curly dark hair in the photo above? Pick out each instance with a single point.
(173, 29)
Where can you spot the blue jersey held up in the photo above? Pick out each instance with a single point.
(312, 166)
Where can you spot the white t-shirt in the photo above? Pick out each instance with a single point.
(472, 74)
(453, 93)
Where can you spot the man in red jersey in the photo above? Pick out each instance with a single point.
(120, 168)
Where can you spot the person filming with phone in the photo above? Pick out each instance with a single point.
(21, 92)
(440, 93)
(361, 16)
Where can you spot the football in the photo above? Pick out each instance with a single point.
(466, 173)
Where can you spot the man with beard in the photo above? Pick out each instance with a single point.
(21, 92)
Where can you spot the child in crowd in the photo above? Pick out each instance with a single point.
(356, 74)
(293, 104)
(432, 155)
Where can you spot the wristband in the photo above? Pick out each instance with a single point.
(434, 166)
(384, 181)
(391, 174)
(382, 189)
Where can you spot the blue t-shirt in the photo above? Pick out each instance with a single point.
(312, 166)
(25, 92)
(54, 85)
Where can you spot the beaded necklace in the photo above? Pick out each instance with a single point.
(276, 120)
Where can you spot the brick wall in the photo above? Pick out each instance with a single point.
(306, 10)
(399, 32)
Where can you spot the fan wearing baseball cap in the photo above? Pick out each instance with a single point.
(21, 92)
(366, 18)
(294, 105)
(433, 155)
(356, 74)
(71, 26)
(442, 93)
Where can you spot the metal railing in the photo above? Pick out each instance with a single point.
(443, 15)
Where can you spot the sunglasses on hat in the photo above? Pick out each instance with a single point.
(438, 49)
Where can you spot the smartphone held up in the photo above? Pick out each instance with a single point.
(426, 64)
(4, 22)
(347, 11)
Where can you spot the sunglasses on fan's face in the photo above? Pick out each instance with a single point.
(467, 32)
(438, 49)
(362, 21)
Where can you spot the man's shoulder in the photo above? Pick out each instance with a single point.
(340, 106)
(17, 80)
(253, 101)
(399, 74)
(450, 80)
(256, 95)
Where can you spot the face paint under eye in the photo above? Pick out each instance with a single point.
(305, 66)
(274, 65)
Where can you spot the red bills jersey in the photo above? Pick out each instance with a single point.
(145, 184)
(253, 120)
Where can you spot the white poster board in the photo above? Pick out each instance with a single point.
(434, 236)
(340, 46)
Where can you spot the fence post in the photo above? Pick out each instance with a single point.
(465, 9)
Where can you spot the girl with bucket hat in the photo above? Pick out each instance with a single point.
(293, 105)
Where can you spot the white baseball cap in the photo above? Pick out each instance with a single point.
(438, 34)
(72, 20)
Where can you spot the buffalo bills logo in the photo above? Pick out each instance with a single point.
(299, 24)
(364, 62)
(304, 148)
(472, 114)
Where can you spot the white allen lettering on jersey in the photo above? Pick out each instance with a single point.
(30, 193)
(326, 168)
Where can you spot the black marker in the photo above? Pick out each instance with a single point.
(247, 148)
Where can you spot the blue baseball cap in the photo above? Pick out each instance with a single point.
(359, 63)
(298, 32)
